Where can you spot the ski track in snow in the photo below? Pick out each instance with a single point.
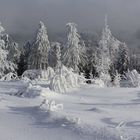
(89, 113)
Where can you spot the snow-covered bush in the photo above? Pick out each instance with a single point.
(98, 83)
(47, 74)
(50, 105)
(59, 84)
(106, 79)
(133, 78)
(65, 79)
(8, 77)
(39, 74)
(26, 79)
(31, 74)
(117, 80)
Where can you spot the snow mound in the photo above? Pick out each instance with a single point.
(133, 78)
(31, 91)
(8, 77)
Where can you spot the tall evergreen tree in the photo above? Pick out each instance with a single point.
(55, 55)
(5, 65)
(110, 51)
(123, 59)
(38, 58)
(73, 55)
(13, 48)
(104, 61)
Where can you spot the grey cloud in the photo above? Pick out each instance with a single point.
(20, 17)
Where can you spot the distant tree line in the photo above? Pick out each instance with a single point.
(86, 54)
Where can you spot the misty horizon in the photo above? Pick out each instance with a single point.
(21, 18)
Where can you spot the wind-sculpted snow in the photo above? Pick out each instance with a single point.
(87, 113)
(20, 89)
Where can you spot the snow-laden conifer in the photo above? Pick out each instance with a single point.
(55, 55)
(73, 54)
(40, 47)
(6, 66)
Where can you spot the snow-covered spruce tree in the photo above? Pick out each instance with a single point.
(38, 58)
(107, 54)
(6, 66)
(103, 52)
(92, 63)
(123, 59)
(83, 56)
(110, 52)
(73, 55)
(117, 79)
(55, 55)
(13, 48)
(23, 60)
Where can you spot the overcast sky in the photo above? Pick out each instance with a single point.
(21, 17)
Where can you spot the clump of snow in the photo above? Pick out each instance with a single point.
(50, 105)
(133, 78)
(8, 77)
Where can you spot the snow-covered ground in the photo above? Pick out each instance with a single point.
(86, 113)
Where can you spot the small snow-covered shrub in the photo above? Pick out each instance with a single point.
(42, 74)
(70, 76)
(106, 79)
(47, 74)
(117, 80)
(31, 74)
(8, 77)
(98, 83)
(59, 84)
(65, 79)
(133, 78)
(50, 106)
(26, 79)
